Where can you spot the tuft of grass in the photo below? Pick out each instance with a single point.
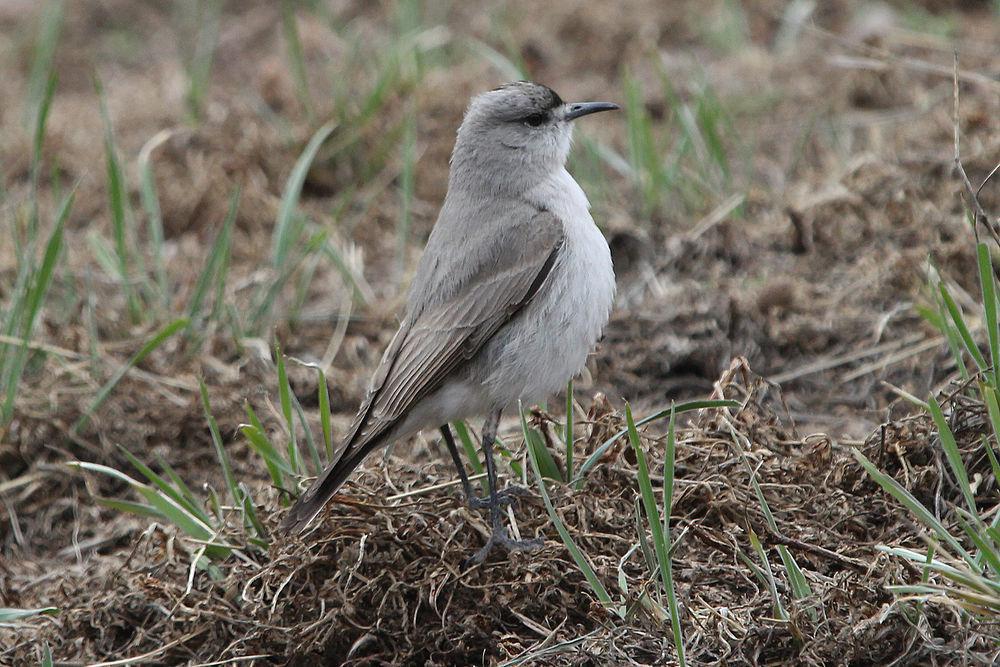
(660, 528)
(581, 560)
(23, 313)
(657, 556)
(213, 274)
(679, 408)
(962, 565)
(121, 217)
(682, 160)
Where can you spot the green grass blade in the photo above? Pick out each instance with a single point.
(661, 538)
(163, 504)
(285, 398)
(987, 550)
(154, 221)
(214, 262)
(323, 391)
(118, 205)
(896, 490)
(37, 289)
(284, 238)
(204, 24)
(680, 408)
(43, 58)
(156, 341)
(310, 442)
(220, 450)
(541, 453)
(10, 615)
(779, 609)
(471, 453)
(180, 485)
(260, 444)
(963, 329)
(129, 507)
(647, 550)
(46, 656)
(296, 58)
(250, 513)
(41, 120)
(989, 289)
(952, 454)
(568, 431)
(164, 486)
(575, 552)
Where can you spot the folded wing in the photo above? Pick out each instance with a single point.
(436, 340)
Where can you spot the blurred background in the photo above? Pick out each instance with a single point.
(190, 181)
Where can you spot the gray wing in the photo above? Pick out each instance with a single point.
(441, 337)
(435, 340)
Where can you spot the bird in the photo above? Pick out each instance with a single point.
(511, 294)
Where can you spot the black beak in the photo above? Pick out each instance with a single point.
(575, 110)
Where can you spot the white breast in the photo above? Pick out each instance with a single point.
(567, 316)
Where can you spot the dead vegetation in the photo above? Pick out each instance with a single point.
(801, 244)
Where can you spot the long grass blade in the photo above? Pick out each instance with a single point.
(220, 450)
(118, 205)
(214, 263)
(989, 289)
(284, 238)
(953, 456)
(661, 537)
(10, 615)
(102, 395)
(897, 491)
(296, 58)
(575, 552)
(963, 330)
(546, 463)
(471, 453)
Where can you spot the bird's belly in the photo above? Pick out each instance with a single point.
(547, 344)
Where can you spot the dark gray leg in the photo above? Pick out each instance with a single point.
(505, 497)
(453, 450)
(497, 500)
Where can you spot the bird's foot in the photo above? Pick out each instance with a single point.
(500, 538)
(506, 497)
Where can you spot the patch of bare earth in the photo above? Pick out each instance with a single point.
(839, 142)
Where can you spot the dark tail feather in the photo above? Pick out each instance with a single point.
(312, 501)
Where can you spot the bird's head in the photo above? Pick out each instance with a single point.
(520, 125)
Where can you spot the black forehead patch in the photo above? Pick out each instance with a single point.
(540, 96)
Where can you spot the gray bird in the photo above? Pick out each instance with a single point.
(512, 292)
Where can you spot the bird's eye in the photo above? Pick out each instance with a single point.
(536, 119)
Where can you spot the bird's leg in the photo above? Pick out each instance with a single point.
(504, 497)
(497, 500)
(449, 440)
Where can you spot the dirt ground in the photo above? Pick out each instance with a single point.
(785, 274)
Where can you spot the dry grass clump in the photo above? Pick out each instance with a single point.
(379, 580)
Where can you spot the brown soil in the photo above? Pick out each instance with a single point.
(840, 142)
